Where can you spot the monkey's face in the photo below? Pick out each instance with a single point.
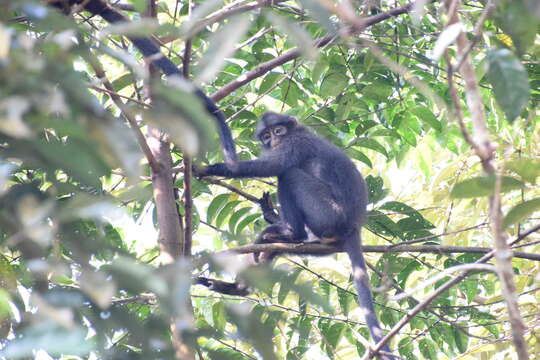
(273, 136)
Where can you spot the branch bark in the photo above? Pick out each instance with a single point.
(323, 249)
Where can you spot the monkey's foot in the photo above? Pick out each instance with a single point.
(328, 240)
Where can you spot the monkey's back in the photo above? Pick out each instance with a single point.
(331, 165)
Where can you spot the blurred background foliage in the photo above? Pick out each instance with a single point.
(79, 259)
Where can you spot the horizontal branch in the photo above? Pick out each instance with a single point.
(322, 249)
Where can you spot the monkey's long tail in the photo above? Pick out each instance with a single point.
(151, 51)
(361, 282)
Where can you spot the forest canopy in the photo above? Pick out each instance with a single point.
(112, 248)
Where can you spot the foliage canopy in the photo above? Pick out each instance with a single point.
(81, 264)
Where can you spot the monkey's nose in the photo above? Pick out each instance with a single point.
(274, 142)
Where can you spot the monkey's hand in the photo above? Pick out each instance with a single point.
(199, 171)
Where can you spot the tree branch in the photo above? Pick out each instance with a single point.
(323, 249)
(141, 139)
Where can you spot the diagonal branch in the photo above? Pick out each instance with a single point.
(293, 54)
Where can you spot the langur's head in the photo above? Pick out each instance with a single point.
(273, 128)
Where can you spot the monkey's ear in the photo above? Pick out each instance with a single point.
(292, 120)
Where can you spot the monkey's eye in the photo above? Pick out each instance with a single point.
(279, 130)
(266, 137)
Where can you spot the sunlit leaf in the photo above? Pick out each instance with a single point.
(51, 338)
(333, 84)
(297, 34)
(269, 81)
(215, 206)
(370, 143)
(427, 116)
(510, 82)
(521, 211)
(221, 45)
(483, 186)
(290, 92)
(321, 14)
(527, 168)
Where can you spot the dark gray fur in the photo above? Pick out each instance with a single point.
(318, 187)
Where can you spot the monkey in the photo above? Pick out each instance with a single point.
(318, 185)
(319, 189)
(151, 51)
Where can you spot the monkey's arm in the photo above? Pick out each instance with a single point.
(252, 168)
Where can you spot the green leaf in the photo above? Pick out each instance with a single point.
(370, 144)
(320, 67)
(50, 338)
(521, 211)
(221, 45)
(461, 339)
(224, 353)
(382, 224)
(321, 14)
(247, 220)
(76, 158)
(364, 126)
(333, 335)
(139, 27)
(225, 211)
(345, 104)
(470, 288)
(218, 316)
(123, 81)
(291, 93)
(510, 82)
(285, 284)
(427, 348)
(483, 186)
(527, 168)
(376, 192)
(296, 33)
(355, 154)
(518, 20)
(379, 92)
(139, 5)
(345, 300)
(406, 348)
(182, 115)
(216, 205)
(192, 25)
(333, 84)
(235, 218)
(427, 116)
(269, 80)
